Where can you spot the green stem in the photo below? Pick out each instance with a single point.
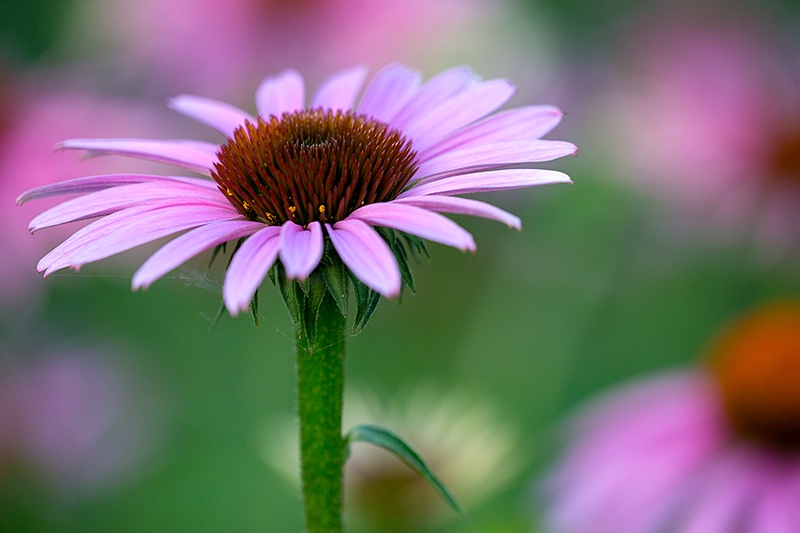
(320, 385)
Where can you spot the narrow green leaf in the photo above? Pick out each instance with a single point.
(391, 442)
(335, 276)
(254, 307)
(294, 299)
(217, 249)
(366, 303)
(417, 246)
(315, 290)
(217, 316)
(401, 256)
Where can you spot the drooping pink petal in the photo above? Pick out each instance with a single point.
(490, 156)
(777, 510)
(85, 184)
(657, 462)
(493, 180)
(221, 116)
(682, 402)
(248, 267)
(367, 255)
(518, 124)
(389, 91)
(188, 245)
(301, 249)
(436, 90)
(107, 201)
(644, 474)
(462, 206)
(458, 111)
(340, 90)
(416, 221)
(88, 184)
(129, 228)
(725, 487)
(283, 93)
(198, 156)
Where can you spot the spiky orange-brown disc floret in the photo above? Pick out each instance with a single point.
(757, 363)
(312, 165)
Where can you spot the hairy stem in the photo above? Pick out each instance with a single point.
(320, 385)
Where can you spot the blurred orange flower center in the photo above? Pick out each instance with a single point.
(757, 362)
(786, 157)
(312, 165)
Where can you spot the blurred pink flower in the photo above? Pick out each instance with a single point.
(709, 119)
(33, 121)
(214, 46)
(78, 422)
(709, 450)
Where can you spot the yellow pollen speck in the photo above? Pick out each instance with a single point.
(246, 206)
(322, 209)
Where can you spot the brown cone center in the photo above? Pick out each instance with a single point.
(312, 165)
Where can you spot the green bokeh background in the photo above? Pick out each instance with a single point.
(588, 295)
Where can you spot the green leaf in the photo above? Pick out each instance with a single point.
(254, 307)
(294, 299)
(393, 443)
(366, 303)
(335, 276)
(315, 290)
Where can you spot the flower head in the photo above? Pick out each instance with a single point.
(709, 118)
(711, 449)
(296, 177)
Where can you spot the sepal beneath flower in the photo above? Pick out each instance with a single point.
(335, 275)
(391, 442)
(303, 298)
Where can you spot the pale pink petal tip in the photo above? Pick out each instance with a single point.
(301, 249)
(367, 255)
(248, 267)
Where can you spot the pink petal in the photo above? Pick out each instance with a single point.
(493, 155)
(458, 111)
(684, 403)
(90, 184)
(249, 266)
(339, 91)
(301, 249)
(193, 155)
(518, 124)
(127, 229)
(186, 246)
(726, 488)
(624, 490)
(777, 511)
(84, 185)
(388, 91)
(367, 255)
(435, 91)
(462, 206)
(416, 221)
(107, 201)
(219, 115)
(493, 180)
(280, 94)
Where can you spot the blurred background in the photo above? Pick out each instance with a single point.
(124, 411)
